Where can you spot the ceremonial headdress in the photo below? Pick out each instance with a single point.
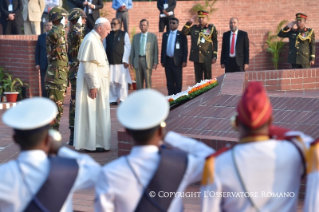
(254, 109)
(143, 110)
(301, 16)
(31, 115)
(202, 13)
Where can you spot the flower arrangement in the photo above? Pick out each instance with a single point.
(192, 92)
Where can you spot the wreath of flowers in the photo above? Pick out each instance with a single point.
(192, 92)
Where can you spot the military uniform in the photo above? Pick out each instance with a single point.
(204, 47)
(302, 45)
(75, 37)
(56, 79)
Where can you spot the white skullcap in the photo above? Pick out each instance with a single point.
(31, 114)
(143, 110)
(101, 20)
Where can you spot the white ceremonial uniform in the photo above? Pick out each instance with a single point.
(120, 76)
(35, 166)
(92, 127)
(311, 203)
(268, 168)
(118, 189)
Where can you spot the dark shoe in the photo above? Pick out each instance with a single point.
(71, 137)
(99, 149)
(113, 103)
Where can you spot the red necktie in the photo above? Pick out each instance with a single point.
(232, 48)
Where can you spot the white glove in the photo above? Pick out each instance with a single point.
(80, 21)
(63, 21)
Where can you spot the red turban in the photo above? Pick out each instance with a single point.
(254, 108)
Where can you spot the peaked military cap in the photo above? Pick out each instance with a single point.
(301, 16)
(202, 13)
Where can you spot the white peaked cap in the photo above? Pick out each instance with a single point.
(101, 20)
(143, 110)
(30, 114)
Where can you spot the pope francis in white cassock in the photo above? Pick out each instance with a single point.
(92, 130)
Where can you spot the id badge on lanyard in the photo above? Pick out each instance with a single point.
(177, 45)
(165, 6)
(10, 7)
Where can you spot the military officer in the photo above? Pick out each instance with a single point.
(56, 78)
(301, 42)
(75, 36)
(203, 45)
(34, 181)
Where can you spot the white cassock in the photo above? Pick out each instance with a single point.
(118, 189)
(35, 166)
(270, 169)
(119, 75)
(92, 127)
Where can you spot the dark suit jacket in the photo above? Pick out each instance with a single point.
(242, 48)
(180, 55)
(171, 5)
(95, 12)
(41, 52)
(17, 10)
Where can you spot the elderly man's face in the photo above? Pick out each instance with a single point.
(144, 26)
(115, 25)
(48, 26)
(104, 30)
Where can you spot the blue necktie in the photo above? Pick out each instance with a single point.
(170, 49)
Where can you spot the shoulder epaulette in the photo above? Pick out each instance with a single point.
(313, 157)
(219, 152)
(315, 142)
(209, 167)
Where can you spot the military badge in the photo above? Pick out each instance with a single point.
(206, 31)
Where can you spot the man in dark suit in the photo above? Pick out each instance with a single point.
(166, 8)
(11, 16)
(174, 57)
(41, 60)
(91, 9)
(235, 49)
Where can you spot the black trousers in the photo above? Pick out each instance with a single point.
(164, 22)
(297, 66)
(44, 91)
(174, 76)
(202, 68)
(90, 22)
(233, 67)
(11, 28)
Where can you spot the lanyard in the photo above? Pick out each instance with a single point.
(10, 1)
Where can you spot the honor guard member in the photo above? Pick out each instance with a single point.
(204, 45)
(302, 43)
(56, 78)
(75, 36)
(260, 173)
(149, 172)
(312, 189)
(35, 181)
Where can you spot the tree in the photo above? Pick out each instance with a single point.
(275, 44)
(208, 6)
